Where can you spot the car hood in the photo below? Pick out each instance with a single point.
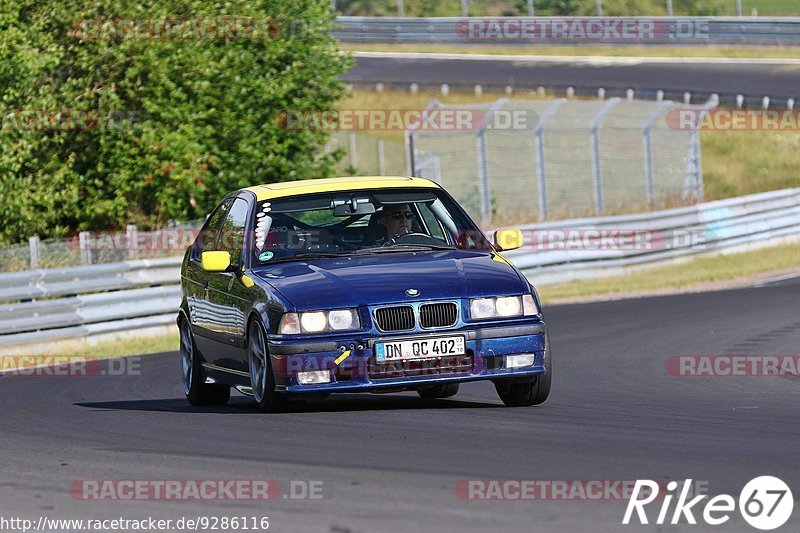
(383, 278)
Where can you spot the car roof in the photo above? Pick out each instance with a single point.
(292, 188)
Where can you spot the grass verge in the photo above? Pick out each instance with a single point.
(124, 346)
(706, 272)
(732, 52)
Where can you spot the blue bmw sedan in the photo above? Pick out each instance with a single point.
(297, 290)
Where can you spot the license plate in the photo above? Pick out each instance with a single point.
(419, 348)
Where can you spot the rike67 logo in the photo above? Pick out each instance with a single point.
(765, 503)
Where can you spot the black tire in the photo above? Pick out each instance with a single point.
(528, 393)
(263, 384)
(445, 390)
(197, 391)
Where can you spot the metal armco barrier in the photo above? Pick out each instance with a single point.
(41, 306)
(571, 30)
(576, 249)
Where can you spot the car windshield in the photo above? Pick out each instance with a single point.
(362, 222)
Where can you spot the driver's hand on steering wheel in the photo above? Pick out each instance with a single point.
(403, 231)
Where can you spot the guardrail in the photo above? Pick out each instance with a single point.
(585, 248)
(42, 306)
(571, 30)
(48, 305)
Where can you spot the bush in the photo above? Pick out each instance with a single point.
(100, 132)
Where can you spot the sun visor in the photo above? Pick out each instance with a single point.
(395, 198)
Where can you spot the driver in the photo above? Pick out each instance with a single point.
(397, 220)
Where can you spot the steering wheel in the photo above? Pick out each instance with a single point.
(409, 238)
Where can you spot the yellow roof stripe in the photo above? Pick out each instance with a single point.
(293, 188)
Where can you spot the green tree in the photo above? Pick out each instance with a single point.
(102, 127)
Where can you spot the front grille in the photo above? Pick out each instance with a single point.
(399, 318)
(458, 364)
(438, 315)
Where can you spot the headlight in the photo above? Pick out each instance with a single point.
(482, 308)
(508, 306)
(313, 322)
(319, 321)
(342, 319)
(503, 307)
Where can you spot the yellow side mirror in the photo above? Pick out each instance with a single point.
(215, 261)
(508, 239)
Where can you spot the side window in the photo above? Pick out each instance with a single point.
(210, 233)
(433, 224)
(231, 238)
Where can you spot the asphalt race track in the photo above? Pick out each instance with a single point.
(392, 462)
(754, 78)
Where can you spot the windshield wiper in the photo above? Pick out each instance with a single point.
(402, 248)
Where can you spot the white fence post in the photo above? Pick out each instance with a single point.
(483, 178)
(408, 137)
(484, 187)
(698, 169)
(381, 158)
(649, 172)
(597, 168)
(85, 241)
(33, 243)
(541, 172)
(353, 150)
(132, 236)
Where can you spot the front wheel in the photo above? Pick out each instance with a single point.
(197, 391)
(524, 394)
(532, 392)
(262, 380)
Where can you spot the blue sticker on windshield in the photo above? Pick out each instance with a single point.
(265, 256)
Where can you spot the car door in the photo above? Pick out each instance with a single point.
(197, 279)
(228, 296)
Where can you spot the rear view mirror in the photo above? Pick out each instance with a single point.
(215, 261)
(508, 239)
(353, 205)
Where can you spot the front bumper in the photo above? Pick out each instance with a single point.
(353, 367)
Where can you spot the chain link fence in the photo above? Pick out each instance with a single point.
(99, 247)
(541, 160)
(575, 158)
(566, 158)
